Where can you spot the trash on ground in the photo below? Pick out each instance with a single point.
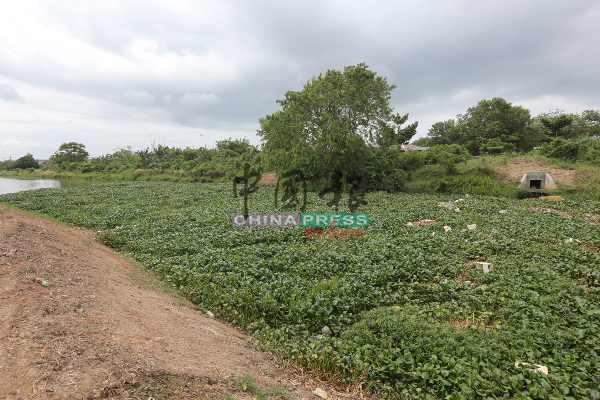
(447, 228)
(484, 266)
(502, 211)
(79, 310)
(571, 240)
(44, 283)
(210, 315)
(421, 223)
(472, 227)
(457, 209)
(459, 200)
(321, 393)
(550, 198)
(325, 330)
(449, 205)
(539, 368)
(467, 195)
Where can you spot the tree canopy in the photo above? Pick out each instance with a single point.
(70, 152)
(331, 122)
(27, 161)
(558, 123)
(490, 126)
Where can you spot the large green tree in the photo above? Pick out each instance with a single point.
(587, 124)
(558, 123)
(27, 161)
(70, 152)
(492, 123)
(444, 132)
(327, 127)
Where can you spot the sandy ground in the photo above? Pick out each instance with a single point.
(100, 329)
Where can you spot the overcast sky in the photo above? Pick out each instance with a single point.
(188, 73)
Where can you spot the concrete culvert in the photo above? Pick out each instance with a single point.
(537, 180)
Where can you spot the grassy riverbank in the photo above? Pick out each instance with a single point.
(483, 175)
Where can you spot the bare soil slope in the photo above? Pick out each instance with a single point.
(95, 331)
(515, 168)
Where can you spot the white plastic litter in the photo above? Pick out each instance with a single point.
(484, 266)
(539, 368)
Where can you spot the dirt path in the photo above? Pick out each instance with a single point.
(99, 330)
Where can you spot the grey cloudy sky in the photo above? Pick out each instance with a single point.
(188, 73)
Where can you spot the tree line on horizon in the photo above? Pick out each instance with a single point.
(496, 126)
(341, 127)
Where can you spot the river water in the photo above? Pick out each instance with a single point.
(13, 185)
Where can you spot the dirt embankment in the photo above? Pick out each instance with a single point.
(99, 329)
(515, 168)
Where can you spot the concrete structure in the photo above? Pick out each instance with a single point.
(537, 180)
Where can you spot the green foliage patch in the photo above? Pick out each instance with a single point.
(401, 313)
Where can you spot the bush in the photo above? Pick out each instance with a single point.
(26, 161)
(586, 150)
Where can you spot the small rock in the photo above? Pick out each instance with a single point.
(210, 315)
(325, 330)
(38, 279)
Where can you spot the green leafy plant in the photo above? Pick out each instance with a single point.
(403, 319)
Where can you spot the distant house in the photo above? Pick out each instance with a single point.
(408, 146)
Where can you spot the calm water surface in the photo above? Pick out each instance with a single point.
(12, 185)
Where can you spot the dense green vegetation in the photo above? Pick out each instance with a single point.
(404, 320)
(496, 126)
